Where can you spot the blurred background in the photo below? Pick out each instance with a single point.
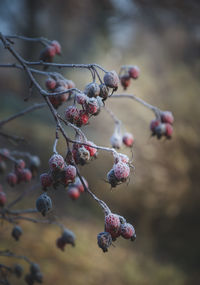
(162, 198)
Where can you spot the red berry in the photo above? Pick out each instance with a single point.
(19, 166)
(26, 175)
(111, 79)
(81, 98)
(134, 72)
(112, 225)
(69, 174)
(128, 139)
(2, 199)
(55, 101)
(169, 131)
(73, 193)
(46, 180)
(79, 184)
(71, 84)
(83, 118)
(154, 123)
(5, 153)
(50, 83)
(127, 231)
(90, 148)
(121, 157)
(72, 114)
(167, 117)
(57, 47)
(12, 179)
(92, 106)
(125, 81)
(56, 162)
(121, 171)
(48, 53)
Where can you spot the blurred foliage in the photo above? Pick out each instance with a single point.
(162, 198)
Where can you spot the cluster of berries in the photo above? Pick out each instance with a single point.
(129, 72)
(115, 226)
(48, 53)
(117, 139)
(3, 198)
(91, 100)
(83, 153)
(56, 84)
(20, 174)
(35, 275)
(67, 237)
(162, 126)
(16, 232)
(120, 171)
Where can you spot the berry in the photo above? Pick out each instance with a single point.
(18, 270)
(2, 199)
(68, 237)
(81, 98)
(104, 240)
(128, 139)
(29, 279)
(71, 84)
(92, 106)
(61, 97)
(57, 47)
(112, 178)
(169, 131)
(12, 179)
(83, 118)
(46, 180)
(72, 114)
(121, 171)
(112, 225)
(154, 123)
(34, 163)
(56, 162)
(69, 174)
(5, 153)
(48, 53)
(125, 81)
(160, 130)
(167, 117)
(116, 140)
(134, 72)
(79, 184)
(92, 90)
(34, 268)
(121, 157)
(50, 83)
(60, 243)
(92, 150)
(127, 231)
(104, 91)
(25, 175)
(73, 193)
(19, 165)
(16, 232)
(43, 204)
(55, 101)
(2, 166)
(111, 79)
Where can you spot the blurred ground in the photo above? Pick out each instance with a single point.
(162, 198)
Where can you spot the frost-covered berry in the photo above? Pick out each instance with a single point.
(111, 79)
(92, 90)
(34, 163)
(104, 240)
(169, 131)
(19, 165)
(104, 91)
(16, 232)
(92, 150)
(46, 180)
(92, 106)
(72, 114)
(121, 171)
(79, 184)
(55, 101)
(68, 174)
(12, 179)
(73, 192)
(43, 204)
(50, 83)
(56, 162)
(3, 199)
(160, 130)
(25, 175)
(112, 178)
(18, 270)
(127, 231)
(128, 139)
(112, 225)
(81, 98)
(116, 140)
(125, 81)
(57, 47)
(83, 118)
(4, 153)
(71, 84)
(121, 157)
(167, 117)
(134, 72)
(154, 123)
(68, 237)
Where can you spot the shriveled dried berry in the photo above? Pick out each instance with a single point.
(104, 240)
